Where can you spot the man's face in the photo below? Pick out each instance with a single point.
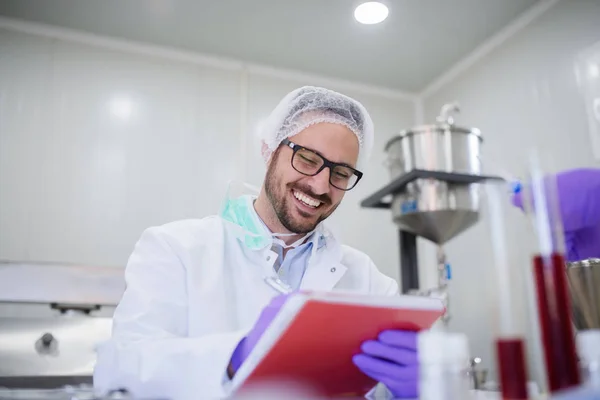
(289, 191)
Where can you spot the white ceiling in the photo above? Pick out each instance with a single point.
(419, 41)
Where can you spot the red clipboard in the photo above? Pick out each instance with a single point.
(314, 348)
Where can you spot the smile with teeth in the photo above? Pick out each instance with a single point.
(308, 201)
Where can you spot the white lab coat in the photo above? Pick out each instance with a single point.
(193, 291)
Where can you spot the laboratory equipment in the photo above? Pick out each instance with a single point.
(434, 192)
(555, 321)
(443, 362)
(436, 210)
(477, 375)
(508, 288)
(550, 278)
(584, 287)
(52, 317)
(588, 348)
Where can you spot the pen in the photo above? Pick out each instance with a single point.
(278, 285)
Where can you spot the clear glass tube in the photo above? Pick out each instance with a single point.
(551, 285)
(507, 286)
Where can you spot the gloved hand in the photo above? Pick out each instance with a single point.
(579, 194)
(249, 341)
(392, 360)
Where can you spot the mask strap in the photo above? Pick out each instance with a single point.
(287, 246)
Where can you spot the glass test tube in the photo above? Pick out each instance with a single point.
(551, 285)
(508, 279)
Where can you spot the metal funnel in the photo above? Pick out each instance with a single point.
(436, 210)
(438, 226)
(584, 286)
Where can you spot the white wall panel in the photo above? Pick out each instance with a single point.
(125, 142)
(588, 78)
(525, 94)
(24, 116)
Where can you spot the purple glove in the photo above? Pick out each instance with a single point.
(392, 360)
(579, 194)
(246, 345)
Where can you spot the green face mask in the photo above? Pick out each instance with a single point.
(239, 212)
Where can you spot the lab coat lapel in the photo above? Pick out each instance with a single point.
(324, 268)
(323, 276)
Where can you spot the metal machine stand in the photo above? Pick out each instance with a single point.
(409, 261)
(409, 270)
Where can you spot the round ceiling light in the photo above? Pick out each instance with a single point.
(372, 12)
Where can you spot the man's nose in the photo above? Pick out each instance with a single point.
(320, 182)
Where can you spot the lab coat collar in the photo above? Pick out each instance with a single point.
(325, 268)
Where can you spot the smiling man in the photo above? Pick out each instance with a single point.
(297, 199)
(197, 301)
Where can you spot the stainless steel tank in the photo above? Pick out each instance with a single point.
(430, 208)
(584, 287)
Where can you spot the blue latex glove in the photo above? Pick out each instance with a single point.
(246, 345)
(579, 194)
(392, 360)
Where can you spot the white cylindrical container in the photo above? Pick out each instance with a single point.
(588, 348)
(444, 361)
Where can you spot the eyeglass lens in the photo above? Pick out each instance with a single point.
(308, 163)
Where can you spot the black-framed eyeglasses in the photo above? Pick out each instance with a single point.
(310, 163)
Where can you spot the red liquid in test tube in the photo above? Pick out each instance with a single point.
(551, 286)
(513, 370)
(555, 322)
(507, 276)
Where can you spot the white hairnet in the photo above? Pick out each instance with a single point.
(311, 105)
